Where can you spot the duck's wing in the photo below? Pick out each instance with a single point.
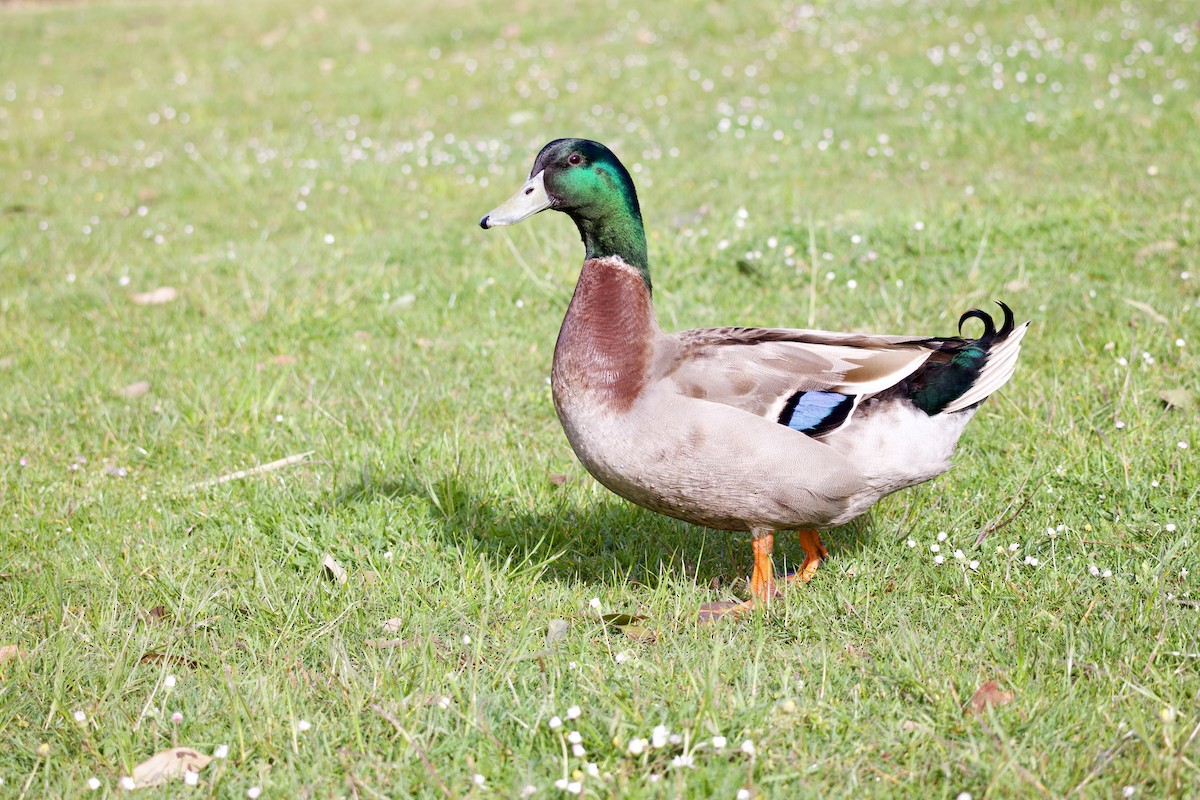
(808, 380)
(812, 381)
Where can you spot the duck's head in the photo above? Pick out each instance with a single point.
(584, 180)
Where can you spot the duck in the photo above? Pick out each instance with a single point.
(741, 429)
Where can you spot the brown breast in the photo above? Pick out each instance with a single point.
(606, 342)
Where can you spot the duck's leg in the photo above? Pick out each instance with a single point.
(762, 580)
(814, 553)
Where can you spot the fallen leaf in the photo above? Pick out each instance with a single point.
(135, 389)
(168, 764)
(155, 297)
(368, 577)
(333, 570)
(556, 630)
(10, 652)
(1176, 398)
(156, 614)
(154, 657)
(989, 694)
(392, 625)
(639, 633)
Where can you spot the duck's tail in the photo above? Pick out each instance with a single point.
(963, 372)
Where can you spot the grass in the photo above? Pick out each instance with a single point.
(308, 178)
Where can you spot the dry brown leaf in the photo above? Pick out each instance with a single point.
(156, 614)
(155, 297)
(989, 694)
(392, 625)
(168, 764)
(10, 652)
(135, 389)
(1176, 398)
(333, 570)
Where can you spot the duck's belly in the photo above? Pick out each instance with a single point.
(712, 465)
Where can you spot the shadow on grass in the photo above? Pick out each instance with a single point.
(577, 532)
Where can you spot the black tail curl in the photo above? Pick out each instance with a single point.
(989, 325)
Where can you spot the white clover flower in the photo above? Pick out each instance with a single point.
(169, 682)
(719, 742)
(637, 746)
(479, 780)
(574, 737)
(682, 761)
(748, 747)
(303, 725)
(93, 783)
(80, 717)
(573, 712)
(191, 777)
(942, 536)
(1093, 569)
(743, 794)
(594, 603)
(575, 787)
(1031, 561)
(127, 783)
(659, 736)
(555, 723)
(911, 544)
(934, 548)
(959, 555)
(578, 750)
(939, 559)
(592, 769)
(222, 751)
(1014, 547)
(973, 564)
(528, 790)
(254, 792)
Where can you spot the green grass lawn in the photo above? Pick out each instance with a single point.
(308, 180)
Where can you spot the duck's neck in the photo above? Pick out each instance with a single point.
(617, 231)
(607, 339)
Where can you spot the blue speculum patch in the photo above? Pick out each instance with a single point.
(816, 412)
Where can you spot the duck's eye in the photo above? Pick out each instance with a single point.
(574, 159)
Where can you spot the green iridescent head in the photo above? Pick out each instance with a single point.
(584, 180)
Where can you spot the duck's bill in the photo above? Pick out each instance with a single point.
(524, 204)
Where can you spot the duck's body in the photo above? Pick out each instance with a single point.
(745, 429)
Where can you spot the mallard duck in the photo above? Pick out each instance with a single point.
(740, 429)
